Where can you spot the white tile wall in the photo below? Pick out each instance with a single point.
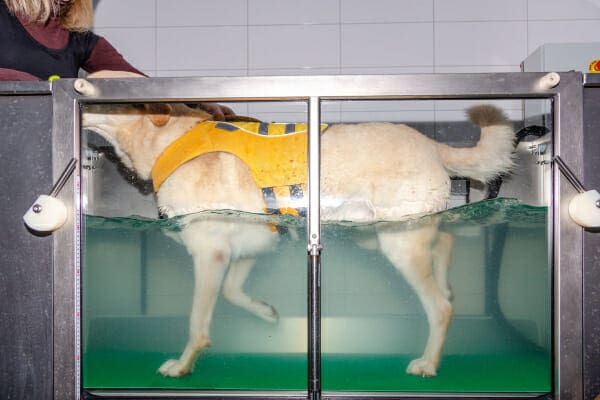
(553, 10)
(564, 31)
(293, 46)
(137, 45)
(291, 12)
(482, 10)
(384, 11)
(489, 43)
(263, 37)
(460, 69)
(387, 45)
(190, 13)
(307, 37)
(124, 14)
(204, 47)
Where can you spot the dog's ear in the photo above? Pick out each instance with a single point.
(158, 113)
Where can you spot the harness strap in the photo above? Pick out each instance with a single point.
(285, 200)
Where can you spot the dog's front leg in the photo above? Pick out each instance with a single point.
(209, 268)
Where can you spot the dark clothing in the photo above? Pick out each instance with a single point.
(23, 56)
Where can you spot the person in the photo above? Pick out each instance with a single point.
(48, 39)
(52, 38)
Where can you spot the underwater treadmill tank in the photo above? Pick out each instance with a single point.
(137, 281)
(331, 316)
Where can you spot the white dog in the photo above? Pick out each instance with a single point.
(370, 171)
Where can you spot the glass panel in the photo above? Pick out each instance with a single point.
(409, 253)
(144, 276)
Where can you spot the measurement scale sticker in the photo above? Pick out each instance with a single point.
(77, 280)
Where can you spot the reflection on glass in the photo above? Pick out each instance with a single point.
(388, 286)
(499, 337)
(491, 271)
(138, 290)
(213, 291)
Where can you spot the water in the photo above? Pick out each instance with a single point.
(137, 289)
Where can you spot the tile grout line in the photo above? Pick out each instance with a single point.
(453, 22)
(156, 37)
(527, 26)
(247, 38)
(433, 22)
(341, 38)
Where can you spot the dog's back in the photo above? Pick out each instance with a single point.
(394, 171)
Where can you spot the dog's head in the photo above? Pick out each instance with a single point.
(139, 132)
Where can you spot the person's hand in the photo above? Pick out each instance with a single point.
(218, 111)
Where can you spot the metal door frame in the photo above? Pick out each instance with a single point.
(567, 236)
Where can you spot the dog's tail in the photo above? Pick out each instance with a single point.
(492, 155)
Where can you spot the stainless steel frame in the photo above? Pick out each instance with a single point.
(591, 239)
(566, 236)
(25, 259)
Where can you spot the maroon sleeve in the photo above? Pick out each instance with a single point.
(106, 57)
(7, 74)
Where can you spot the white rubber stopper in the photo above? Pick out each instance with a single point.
(84, 87)
(584, 209)
(47, 214)
(549, 81)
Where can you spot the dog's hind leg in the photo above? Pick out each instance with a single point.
(234, 292)
(209, 269)
(410, 252)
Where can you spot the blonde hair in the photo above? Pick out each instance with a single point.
(75, 15)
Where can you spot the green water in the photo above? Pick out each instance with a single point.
(137, 286)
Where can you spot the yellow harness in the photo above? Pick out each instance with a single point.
(275, 153)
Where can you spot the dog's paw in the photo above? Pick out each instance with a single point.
(421, 367)
(267, 312)
(174, 368)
